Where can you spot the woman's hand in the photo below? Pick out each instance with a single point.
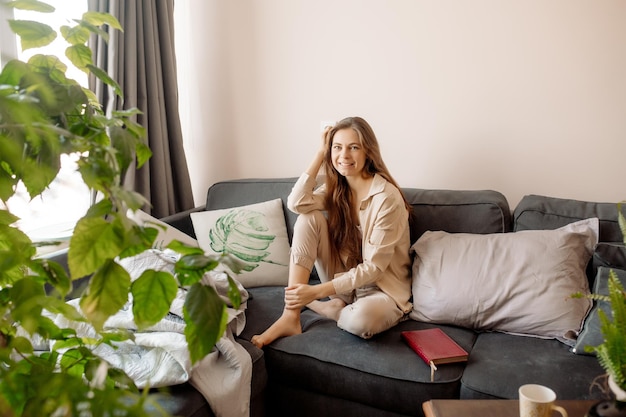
(325, 140)
(316, 164)
(299, 295)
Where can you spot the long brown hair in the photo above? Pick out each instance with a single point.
(344, 236)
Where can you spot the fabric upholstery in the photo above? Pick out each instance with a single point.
(500, 363)
(539, 212)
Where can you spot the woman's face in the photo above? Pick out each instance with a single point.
(347, 153)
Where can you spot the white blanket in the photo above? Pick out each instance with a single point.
(158, 357)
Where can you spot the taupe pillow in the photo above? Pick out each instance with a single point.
(511, 282)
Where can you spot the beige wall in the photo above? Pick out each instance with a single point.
(518, 96)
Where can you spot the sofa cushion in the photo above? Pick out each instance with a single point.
(327, 360)
(536, 212)
(500, 363)
(591, 334)
(513, 282)
(458, 211)
(255, 234)
(612, 255)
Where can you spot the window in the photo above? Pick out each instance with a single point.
(53, 214)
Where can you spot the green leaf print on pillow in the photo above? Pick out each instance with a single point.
(244, 234)
(254, 234)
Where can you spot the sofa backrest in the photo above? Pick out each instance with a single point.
(540, 212)
(458, 211)
(482, 211)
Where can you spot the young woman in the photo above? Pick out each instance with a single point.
(360, 247)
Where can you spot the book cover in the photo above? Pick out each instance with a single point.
(435, 347)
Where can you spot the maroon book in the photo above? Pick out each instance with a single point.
(435, 347)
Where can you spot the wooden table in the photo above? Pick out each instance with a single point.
(495, 408)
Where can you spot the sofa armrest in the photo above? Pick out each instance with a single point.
(182, 220)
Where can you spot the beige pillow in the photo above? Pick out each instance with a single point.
(511, 282)
(255, 234)
(166, 234)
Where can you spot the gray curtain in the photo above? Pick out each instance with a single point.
(142, 60)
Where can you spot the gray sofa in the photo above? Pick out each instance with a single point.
(327, 371)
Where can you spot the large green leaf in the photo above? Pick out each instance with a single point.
(32, 34)
(183, 249)
(191, 268)
(7, 218)
(15, 252)
(124, 143)
(97, 172)
(206, 318)
(33, 5)
(93, 243)
(80, 55)
(104, 77)
(76, 35)
(7, 181)
(54, 274)
(98, 19)
(26, 294)
(50, 65)
(153, 293)
(41, 164)
(107, 293)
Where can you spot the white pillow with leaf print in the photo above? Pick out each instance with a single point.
(255, 234)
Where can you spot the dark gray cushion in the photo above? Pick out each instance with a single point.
(591, 335)
(329, 361)
(612, 255)
(538, 212)
(499, 363)
(458, 211)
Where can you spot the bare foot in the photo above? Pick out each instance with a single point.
(288, 324)
(330, 309)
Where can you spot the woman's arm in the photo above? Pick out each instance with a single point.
(318, 159)
(299, 295)
(302, 198)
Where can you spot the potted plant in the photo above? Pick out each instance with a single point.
(611, 353)
(44, 114)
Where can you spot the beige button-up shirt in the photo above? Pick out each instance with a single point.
(385, 233)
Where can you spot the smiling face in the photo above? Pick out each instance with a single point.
(347, 153)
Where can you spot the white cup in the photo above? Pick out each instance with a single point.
(537, 401)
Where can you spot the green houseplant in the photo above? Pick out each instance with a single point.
(612, 352)
(44, 114)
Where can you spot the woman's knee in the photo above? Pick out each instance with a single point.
(310, 234)
(366, 319)
(312, 222)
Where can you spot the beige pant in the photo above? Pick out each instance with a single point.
(369, 311)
